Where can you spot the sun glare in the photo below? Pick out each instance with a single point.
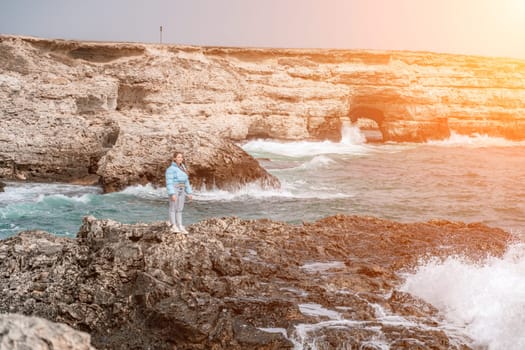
(519, 5)
(516, 9)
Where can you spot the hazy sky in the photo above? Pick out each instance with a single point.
(478, 27)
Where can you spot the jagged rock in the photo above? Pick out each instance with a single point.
(66, 103)
(236, 284)
(61, 118)
(35, 333)
(50, 147)
(212, 161)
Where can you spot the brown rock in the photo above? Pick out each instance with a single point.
(238, 284)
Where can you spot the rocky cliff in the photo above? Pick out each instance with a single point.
(239, 284)
(66, 104)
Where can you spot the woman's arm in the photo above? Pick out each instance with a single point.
(170, 180)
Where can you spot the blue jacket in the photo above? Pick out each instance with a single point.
(174, 177)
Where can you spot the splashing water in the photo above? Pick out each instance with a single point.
(463, 178)
(487, 300)
(351, 134)
(474, 140)
(352, 142)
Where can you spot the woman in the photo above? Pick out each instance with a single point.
(178, 186)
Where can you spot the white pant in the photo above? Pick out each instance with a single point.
(176, 206)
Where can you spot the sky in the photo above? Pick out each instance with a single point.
(472, 27)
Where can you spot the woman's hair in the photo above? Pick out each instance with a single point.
(183, 168)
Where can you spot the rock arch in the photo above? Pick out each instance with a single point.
(373, 129)
(367, 112)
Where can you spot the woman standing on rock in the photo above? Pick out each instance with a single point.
(178, 186)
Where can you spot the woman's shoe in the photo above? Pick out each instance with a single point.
(183, 230)
(174, 229)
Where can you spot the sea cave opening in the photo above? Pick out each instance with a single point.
(369, 121)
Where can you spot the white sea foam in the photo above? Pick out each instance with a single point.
(16, 192)
(85, 198)
(251, 190)
(146, 191)
(305, 335)
(352, 135)
(487, 299)
(322, 266)
(255, 191)
(474, 140)
(317, 162)
(312, 309)
(299, 149)
(352, 142)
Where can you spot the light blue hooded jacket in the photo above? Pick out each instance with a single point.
(174, 177)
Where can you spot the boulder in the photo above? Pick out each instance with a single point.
(212, 162)
(35, 333)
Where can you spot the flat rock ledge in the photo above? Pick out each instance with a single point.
(238, 284)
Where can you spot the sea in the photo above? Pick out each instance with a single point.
(473, 178)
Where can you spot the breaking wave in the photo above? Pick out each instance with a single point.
(486, 299)
(475, 140)
(352, 142)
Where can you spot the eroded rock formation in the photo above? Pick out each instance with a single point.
(65, 104)
(61, 120)
(213, 162)
(238, 284)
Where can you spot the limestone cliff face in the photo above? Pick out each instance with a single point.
(73, 100)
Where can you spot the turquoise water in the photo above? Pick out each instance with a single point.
(466, 179)
(469, 179)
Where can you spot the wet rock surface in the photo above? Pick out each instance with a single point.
(239, 284)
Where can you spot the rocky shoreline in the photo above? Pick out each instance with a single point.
(112, 113)
(238, 284)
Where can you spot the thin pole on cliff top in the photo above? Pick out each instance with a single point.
(161, 34)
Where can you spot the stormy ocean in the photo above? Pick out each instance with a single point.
(464, 178)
